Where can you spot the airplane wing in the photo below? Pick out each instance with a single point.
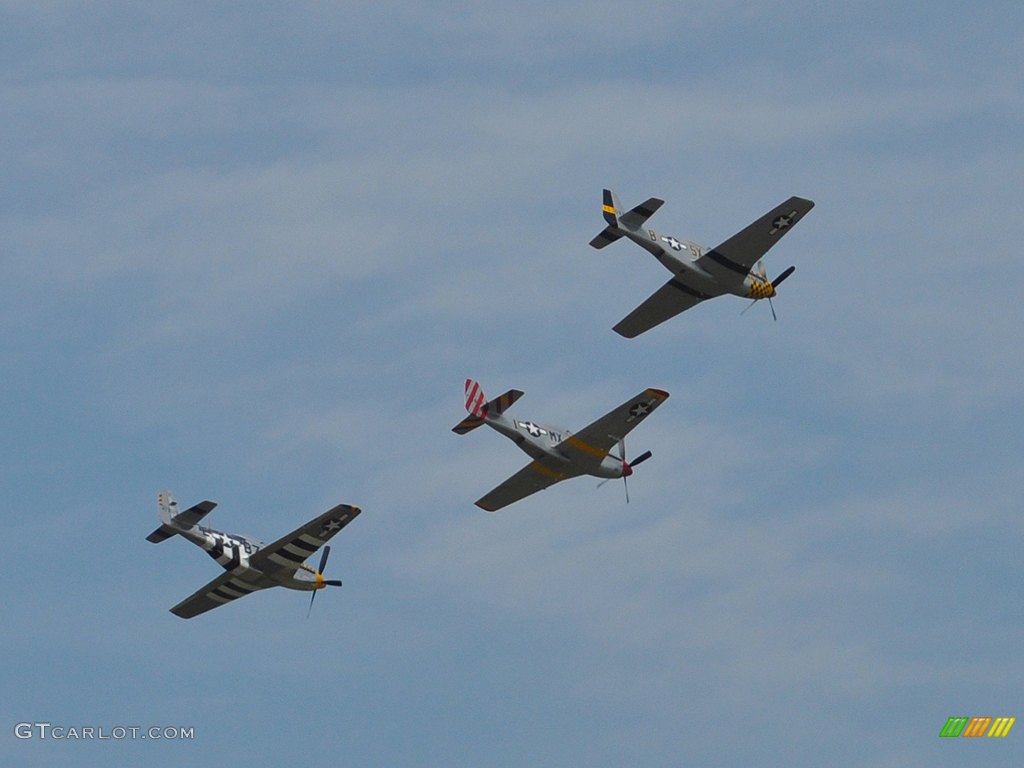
(223, 589)
(291, 550)
(592, 443)
(534, 477)
(732, 260)
(666, 302)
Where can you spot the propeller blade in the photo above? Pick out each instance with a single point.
(772, 308)
(786, 273)
(761, 271)
(320, 572)
(748, 307)
(323, 559)
(626, 486)
(641, 458)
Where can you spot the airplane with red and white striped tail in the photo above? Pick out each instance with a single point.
(558, 454)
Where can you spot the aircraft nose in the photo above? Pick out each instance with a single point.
(320, 583)
(626, 469)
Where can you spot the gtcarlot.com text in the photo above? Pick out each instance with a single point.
(43, 731)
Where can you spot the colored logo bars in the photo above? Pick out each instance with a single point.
(977, 726)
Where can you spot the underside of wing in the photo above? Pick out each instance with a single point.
(732, 260)
(534, 477)
(673, 297)
(223, 589)
(291, 550)
(591, 444)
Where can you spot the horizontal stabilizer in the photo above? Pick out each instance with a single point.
(181, 521)
(503, 402)
(162, 533)
(641, 213)
(606, 236)
(193, 515)
(494, 407)
(468, 424)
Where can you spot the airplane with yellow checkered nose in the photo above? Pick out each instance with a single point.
(557, 453)
(699, 273)
(251, 565)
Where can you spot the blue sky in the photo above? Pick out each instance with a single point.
(250, 254)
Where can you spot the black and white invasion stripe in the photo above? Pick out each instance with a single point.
(296, 551)
(231, 590)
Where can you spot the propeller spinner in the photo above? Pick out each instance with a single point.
(764, 289)
(627, 466)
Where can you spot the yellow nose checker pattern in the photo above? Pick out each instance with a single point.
(761, 290)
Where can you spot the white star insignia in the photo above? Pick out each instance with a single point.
(532, 428)
(673, 243)
(781, 222)
(638, 410)
(329, 527)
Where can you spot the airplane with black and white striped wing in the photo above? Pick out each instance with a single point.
(558, 454)
(698, 272)
(251, 565)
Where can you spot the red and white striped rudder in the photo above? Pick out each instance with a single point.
(476, 402)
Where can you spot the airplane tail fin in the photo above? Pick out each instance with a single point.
(480, 408)
(173, 520)
(610, 211)
(619, 223)
(476, 402)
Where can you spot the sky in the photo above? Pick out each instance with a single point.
(251, 252)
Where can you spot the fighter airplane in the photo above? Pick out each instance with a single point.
(251, 565)
(557, 453)
(699, 273)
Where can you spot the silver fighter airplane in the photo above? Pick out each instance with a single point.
(699, 273)
(557, 453)
(251, 565)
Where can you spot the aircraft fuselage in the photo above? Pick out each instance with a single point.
(680, 258)
(541, 441)
(233, 553)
